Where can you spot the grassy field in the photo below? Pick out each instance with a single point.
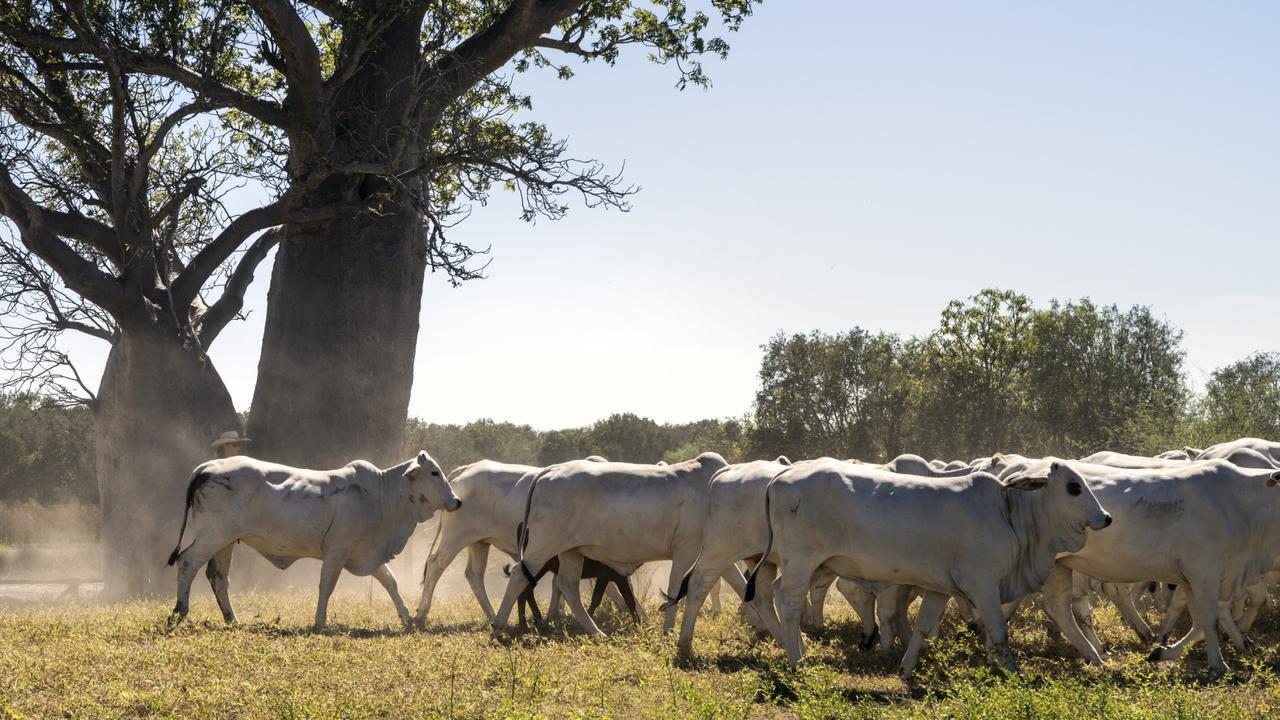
(121, 661)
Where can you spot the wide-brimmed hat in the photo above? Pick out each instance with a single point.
(227, 438)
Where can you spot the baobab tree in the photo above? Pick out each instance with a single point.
(112, 183)
(407, 108)
(375, 124)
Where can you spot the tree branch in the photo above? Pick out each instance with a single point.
(300, 54)
(229, 305)
(523, 22)
(133, 61)
(79, 274)
(188, 283)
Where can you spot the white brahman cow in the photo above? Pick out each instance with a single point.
(495, 500)
(973, 537)
(621, 514)
(1222, 451)
(1209, 527)
(735, 530)
(356, 517)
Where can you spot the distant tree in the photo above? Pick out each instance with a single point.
(46, 451)
(561, 446)
(627, 437)
(1242, 400)
(840, 394)
(974, 367)
(1099, 378)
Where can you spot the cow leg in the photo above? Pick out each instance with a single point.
(330, 569)
(189, 563)
(815, 612)
(555, 605)
(1256, 597)
(613, 590)
(704, 576)
(218, 571)
(864, 605)
(681, 561)
(1057, 604)
(1177, 604)
(516, 584)
(926, 624)
(1122, 597)
(1227, 622)
(891, 607)
(760, 612)
(1082, 609)
(387, 579)
(714, 596)
(569, 578)
(439, 559)
(796, 577)
(1202, 601)
(597, 595)
(986, 603)
(477, 563)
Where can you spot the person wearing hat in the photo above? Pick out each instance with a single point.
(229, 444)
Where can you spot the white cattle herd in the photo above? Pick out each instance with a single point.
(1201, 526)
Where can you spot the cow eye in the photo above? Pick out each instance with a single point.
(1074, 488)
(435, 473)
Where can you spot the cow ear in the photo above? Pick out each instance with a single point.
(415, 466)
(1027, 481)
(1274, 479)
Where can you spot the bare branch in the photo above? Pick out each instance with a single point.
(228, 307)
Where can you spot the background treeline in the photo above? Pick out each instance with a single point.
(997, 374)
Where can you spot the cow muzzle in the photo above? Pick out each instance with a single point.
(1105, 523)
(455, 503)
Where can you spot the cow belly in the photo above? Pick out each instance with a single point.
(277, 548)
(920, 570)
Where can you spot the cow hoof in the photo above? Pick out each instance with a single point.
(1156, 655)
(1249, 645)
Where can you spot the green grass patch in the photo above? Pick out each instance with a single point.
(122, 661)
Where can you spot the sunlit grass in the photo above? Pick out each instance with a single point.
(122, 661)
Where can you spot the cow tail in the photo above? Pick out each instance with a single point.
(750, 593)
(684, 581)
(194, 484)
(522, 531)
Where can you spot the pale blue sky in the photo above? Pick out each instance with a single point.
(861, 163)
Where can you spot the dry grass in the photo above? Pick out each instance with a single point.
(121, 661)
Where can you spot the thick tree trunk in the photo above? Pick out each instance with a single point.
(339, 342)
(159, 406)
(342, 312)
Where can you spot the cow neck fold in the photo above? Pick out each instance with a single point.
(1039, 541)
(392, 508)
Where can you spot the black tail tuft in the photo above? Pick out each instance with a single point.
(173, 556)
(506, 569)
(680, 595)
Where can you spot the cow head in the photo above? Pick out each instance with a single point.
(428, 488)
(1068, 498)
